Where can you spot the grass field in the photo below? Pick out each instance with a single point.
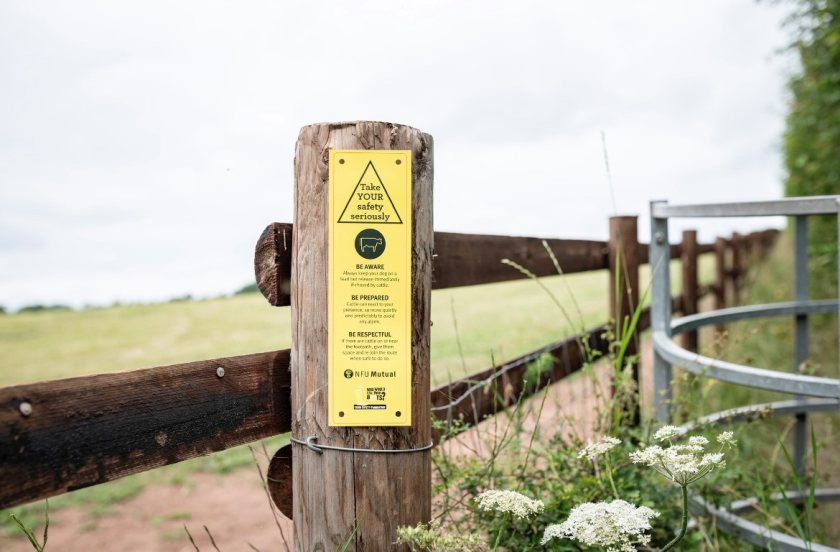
(491, 321)
(471, 326)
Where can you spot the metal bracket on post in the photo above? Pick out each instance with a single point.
(660, 260)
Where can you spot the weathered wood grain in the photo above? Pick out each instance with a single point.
(279, 480)
(460, 259)
(703, 248)
(88, 430)
(273, 263)
(736, 245)
(689, 283)
(624, 272)
(720, 278)
(337, 491)
(470, 259)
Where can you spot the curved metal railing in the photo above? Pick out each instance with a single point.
(811, 393)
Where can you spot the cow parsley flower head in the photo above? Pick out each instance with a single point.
(618, 525)
(594, 450)
(716, 460)
(727, 439)
(509, 502)
(666, 433)
(698, 440)
(682, 463)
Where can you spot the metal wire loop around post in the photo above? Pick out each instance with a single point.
(311, 441)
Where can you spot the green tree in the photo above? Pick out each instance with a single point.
(812, 136)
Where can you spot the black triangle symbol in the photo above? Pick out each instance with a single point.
(353, 194)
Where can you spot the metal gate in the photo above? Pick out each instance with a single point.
(810, 393)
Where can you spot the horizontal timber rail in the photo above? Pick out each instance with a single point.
(62, 435)
(461, 259)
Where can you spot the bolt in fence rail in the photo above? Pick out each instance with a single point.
(811, 393)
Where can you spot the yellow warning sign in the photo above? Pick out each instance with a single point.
(369, 297)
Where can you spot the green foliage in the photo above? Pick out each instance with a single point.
(431, 538)
(250, 288)
(519, 451)
(537, 368)
(549, 467)
(812, 136)
(30, 534)
(43, 308)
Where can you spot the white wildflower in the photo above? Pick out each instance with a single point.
(689, 448)
(698, 440)
(618, 526)
(594, 450)
(665, 433)
(509, 502)
(648, 456)
(727, 439)
(715, 459)
(682, 464)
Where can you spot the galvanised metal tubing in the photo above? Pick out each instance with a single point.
(760, 411)
(739, 374)
(752, 532)
(800, 355)
(837, 202)
(666, 352)
(794, 497)
(813, 205)
(660, 311)
(734, 314)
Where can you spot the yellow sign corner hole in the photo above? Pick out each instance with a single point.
(369, 291)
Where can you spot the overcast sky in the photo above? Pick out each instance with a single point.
(144, 145)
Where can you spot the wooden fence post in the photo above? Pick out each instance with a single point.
(341, 495)
(737, 253)
(624, 239)
(624, 252)
(720, 278)
(689, 283)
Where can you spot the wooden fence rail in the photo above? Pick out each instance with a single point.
(88, 430)
(62, 435)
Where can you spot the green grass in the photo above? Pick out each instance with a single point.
(495, 321)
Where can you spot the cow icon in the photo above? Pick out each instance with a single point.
(369, 244)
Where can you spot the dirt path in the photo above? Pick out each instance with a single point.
(235, 509)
